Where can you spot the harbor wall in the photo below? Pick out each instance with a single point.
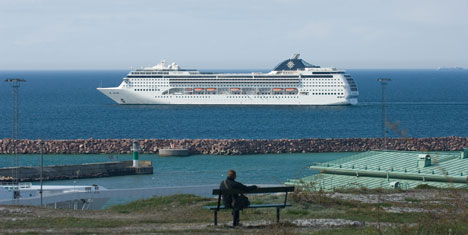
(88, 170)
(234, 146)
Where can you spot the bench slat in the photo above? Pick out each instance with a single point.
(251, 206)
(280, 189)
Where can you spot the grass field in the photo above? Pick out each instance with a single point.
(424, 211)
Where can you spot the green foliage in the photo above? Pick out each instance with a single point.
(297, 212)
(62, 222)
(383, 204)
(256, 201)
(409, 199)
(211, 204)
(425, 186)
(347, 231)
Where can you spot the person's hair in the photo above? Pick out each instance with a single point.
(231, 174)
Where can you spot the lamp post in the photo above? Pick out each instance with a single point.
(383, 83)
(42, 165)
(15, 84)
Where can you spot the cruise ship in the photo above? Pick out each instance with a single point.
(291, 82)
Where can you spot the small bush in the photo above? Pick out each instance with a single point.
(425, 186)
(410, 199)
(297, 212)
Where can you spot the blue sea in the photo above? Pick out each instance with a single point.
(66, 105)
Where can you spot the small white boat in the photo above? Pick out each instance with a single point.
(76, 197)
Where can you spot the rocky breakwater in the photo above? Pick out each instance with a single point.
(234, 146)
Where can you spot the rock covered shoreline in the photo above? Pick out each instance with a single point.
(234, 146)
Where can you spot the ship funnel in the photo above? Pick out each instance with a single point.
(295, 56)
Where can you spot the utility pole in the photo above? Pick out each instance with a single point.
(15, 84)
(383, 83)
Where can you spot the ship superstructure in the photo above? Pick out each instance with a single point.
(292, 82)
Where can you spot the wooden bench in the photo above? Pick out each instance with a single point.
(262, 190)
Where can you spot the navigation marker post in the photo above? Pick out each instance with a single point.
(135, 150)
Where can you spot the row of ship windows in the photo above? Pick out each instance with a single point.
(328, 72)
(323, 85)
(240, 86)
(233, 77)
(237, 85)
(256, 86)
(146, 90)
(236, 97)
(150, 73)
(148, 83)
(340, 72)
(236, 81)
(327, 93)
(207, 80)
(249, 83)
(231, 82)
(253, 80)
(245, 82)
(245, 96)
(209, 86)
(159, 90)
(320, 90)
(306, 82)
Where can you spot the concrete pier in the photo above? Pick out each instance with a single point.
(173, 152)
(88, 170)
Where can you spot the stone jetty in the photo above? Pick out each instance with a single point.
(234, 146)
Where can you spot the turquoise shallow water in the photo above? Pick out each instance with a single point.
(186, 171)
(193, 170)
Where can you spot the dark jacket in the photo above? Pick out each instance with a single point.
(232, 184)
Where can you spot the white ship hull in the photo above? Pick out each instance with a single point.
(292, 82)
(125, 96)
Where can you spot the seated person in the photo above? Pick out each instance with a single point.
(228, 199)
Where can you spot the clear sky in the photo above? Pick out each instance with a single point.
(235, 34)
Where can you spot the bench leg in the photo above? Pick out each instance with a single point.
(277, 214)
(215, 218)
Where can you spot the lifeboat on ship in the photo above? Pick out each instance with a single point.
(291, 89)
(198, 89)
(277, 89)
(210, 89)
(235, 89)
